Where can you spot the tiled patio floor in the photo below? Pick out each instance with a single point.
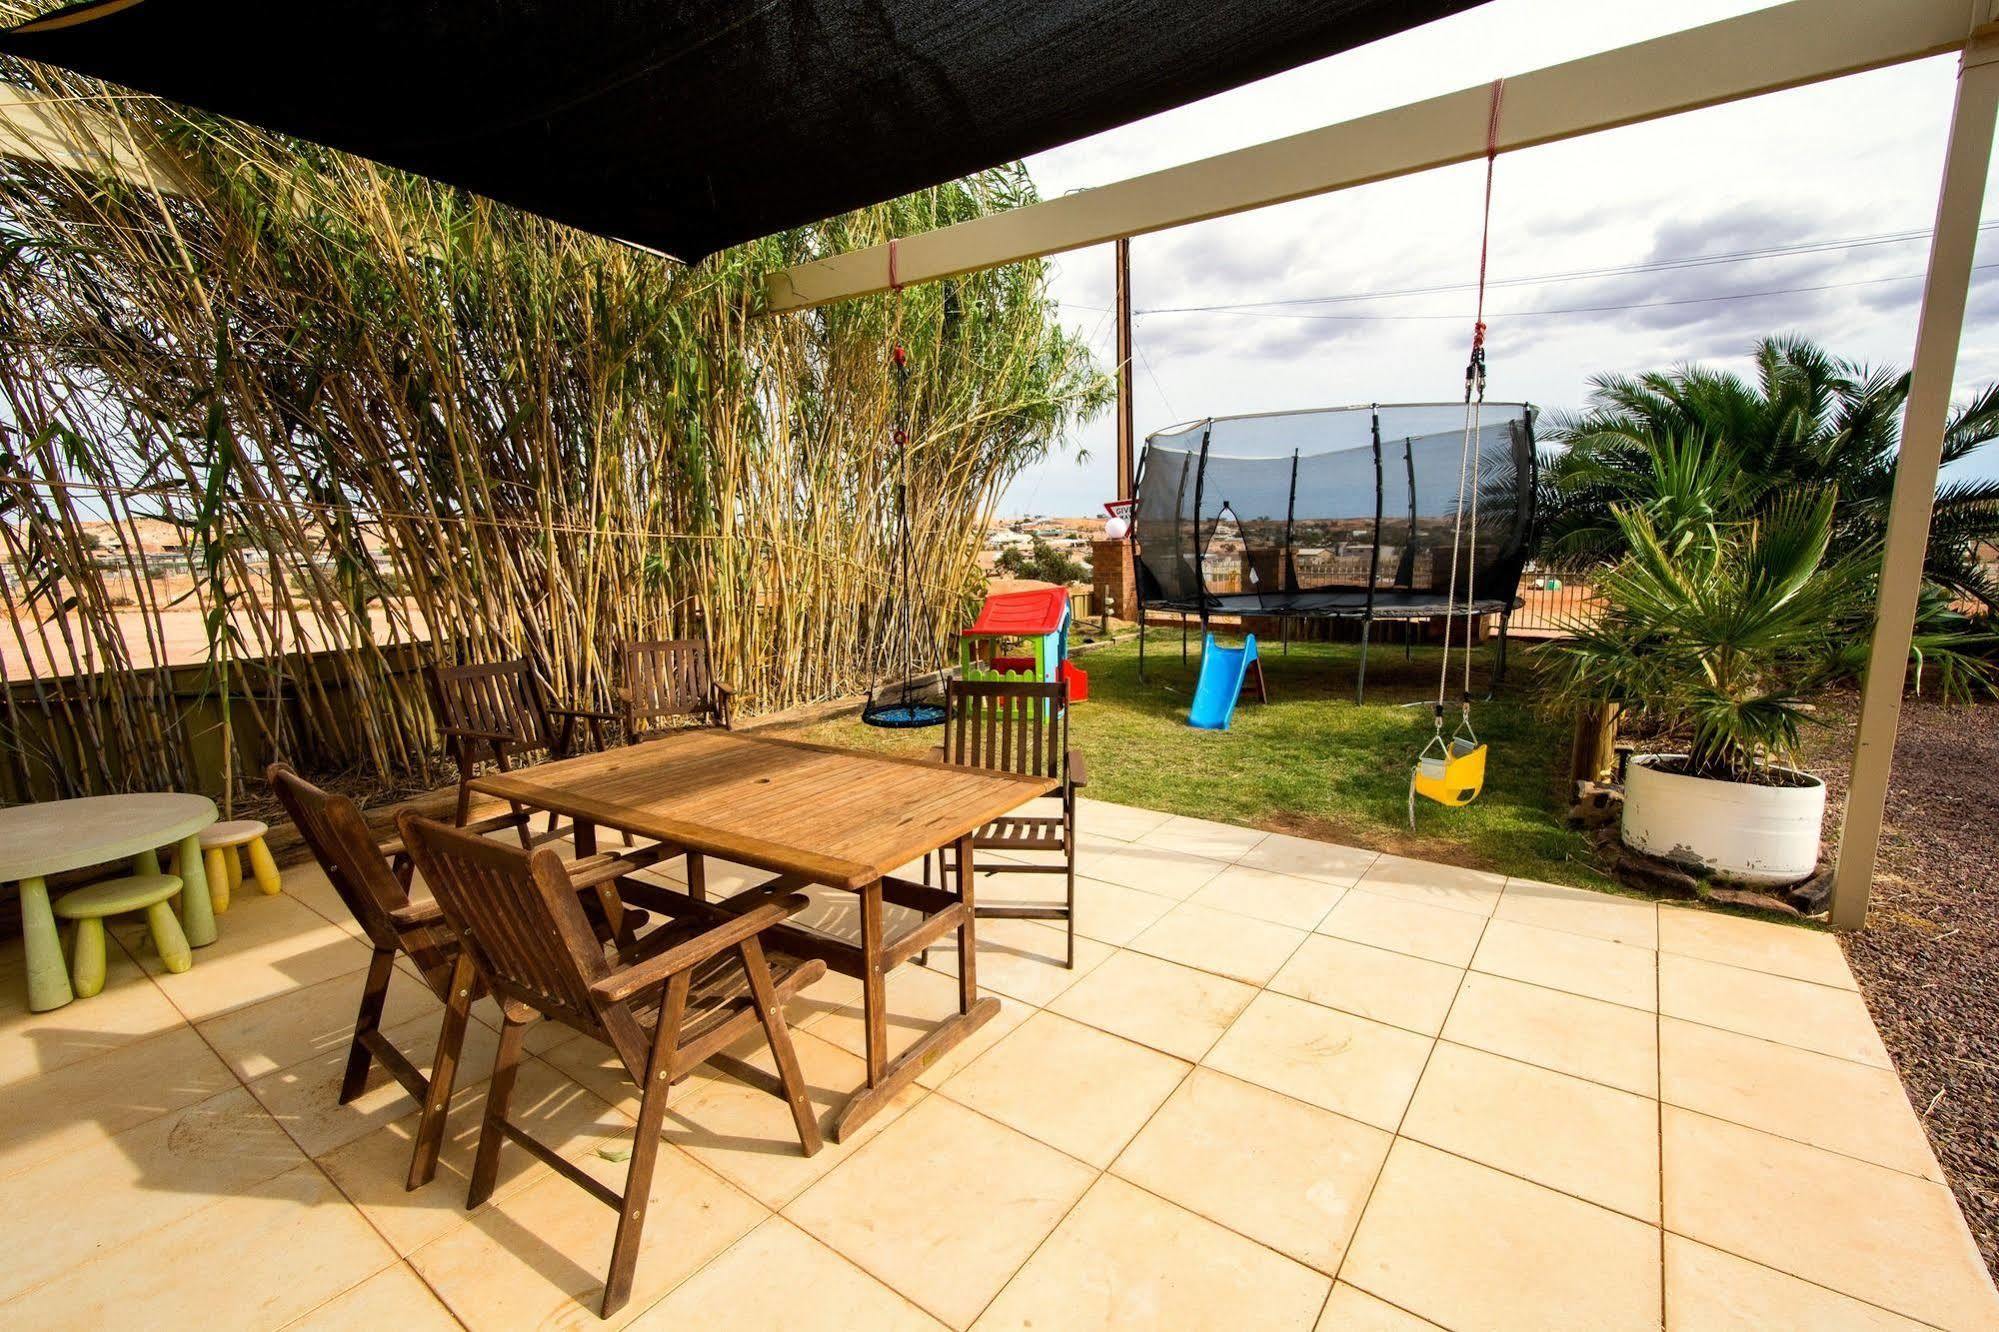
(1287, 1085)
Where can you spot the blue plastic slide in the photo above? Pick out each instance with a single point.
(1223, 670)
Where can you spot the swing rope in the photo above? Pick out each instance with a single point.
(1469, 459)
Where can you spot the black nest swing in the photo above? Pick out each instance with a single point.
(911, 703)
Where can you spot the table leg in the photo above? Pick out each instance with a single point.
(874, 983)
(886, 1079)
(585, 836)
(48, 977)
(197, 910)
(968, 944)
(146, 862)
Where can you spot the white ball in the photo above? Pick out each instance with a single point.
(1115, 528)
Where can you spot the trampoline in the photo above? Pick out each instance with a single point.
(1333, 513)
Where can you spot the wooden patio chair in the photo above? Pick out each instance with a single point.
(669, 680)
(499, 712)
(373, 881)
(1017, 726)
(685, 993)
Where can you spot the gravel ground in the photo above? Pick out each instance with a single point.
(1928, 962)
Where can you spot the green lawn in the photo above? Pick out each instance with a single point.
(1312, 762)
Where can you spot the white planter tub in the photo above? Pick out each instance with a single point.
(1734, 830)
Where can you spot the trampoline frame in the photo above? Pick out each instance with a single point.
(1365, 604)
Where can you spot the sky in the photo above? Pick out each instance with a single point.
(1856, 159)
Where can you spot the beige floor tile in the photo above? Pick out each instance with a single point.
(1023, 958)
(1425, 881)
(311, 1020)
(291, 1245)
(1869, 1232)
(1203, 837)
(1436, 933)
(777, 1278)
(1123, 822)
(372, 1170)
(1588, 1038)
(943, 1205)
(1752, 1003)
(130, 1008)
(393, 1298)
(538, 1257)
(1707, 1289)
(1161, 1004)
(1362, 1069)
(267, 946)
(306, 883)
(1760, 945)
(1147, 868)
(918, 999)
(1125, 1259)
(1582, 1138)
(1469, 1247)
(1286, 1174)
(1596, 968)
(83, 1103)
(305, 1098)
(744, 1133)
(1328, 862)
(1628, 920)
(1112, 913)
(1281, 899)
(1222, 942)
(1389, 987)
(1351, 1309)
(149, 1176)
(1790, 1092)
(1078, 1089)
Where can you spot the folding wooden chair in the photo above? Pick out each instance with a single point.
(1017, 726)
(500, 712)
(685, 993)
(669, 680)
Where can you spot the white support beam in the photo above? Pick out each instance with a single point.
(1803, 42)
(78, 138)
(1946, 288)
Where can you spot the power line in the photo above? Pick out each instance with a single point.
(1569, 309)
(1669, 264)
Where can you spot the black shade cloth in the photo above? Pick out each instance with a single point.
(688, 127)
(1346, 512)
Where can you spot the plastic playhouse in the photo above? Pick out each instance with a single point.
(1037, 617)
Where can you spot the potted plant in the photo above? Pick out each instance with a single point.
(1718, 632)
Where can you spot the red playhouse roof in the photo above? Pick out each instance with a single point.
(1021, 614)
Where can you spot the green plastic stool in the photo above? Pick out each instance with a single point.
(114, 897)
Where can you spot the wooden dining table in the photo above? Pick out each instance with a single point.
(811, 814)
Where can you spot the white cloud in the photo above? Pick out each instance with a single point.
(1857, 157)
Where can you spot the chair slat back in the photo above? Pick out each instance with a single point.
(517, 915)
(667, 679)
(334, 831)
(1008, 725)
(499, 697)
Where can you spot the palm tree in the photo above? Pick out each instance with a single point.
(1809, 421)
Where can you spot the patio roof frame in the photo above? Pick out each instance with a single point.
(1790, 45)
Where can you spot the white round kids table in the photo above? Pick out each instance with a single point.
(51, 836)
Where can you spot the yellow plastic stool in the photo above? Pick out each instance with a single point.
(114, 897)
(222, 848)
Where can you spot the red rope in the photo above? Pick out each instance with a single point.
(1485, 233)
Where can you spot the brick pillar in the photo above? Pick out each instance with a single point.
(1114, 585)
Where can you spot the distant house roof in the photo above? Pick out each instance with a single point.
(691, 127)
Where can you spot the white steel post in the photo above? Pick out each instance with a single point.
(1945, 291)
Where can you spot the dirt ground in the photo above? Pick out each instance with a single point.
(1928, 962)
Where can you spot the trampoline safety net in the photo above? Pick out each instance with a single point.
(1344, 511)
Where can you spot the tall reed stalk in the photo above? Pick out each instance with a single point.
(376, 411)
